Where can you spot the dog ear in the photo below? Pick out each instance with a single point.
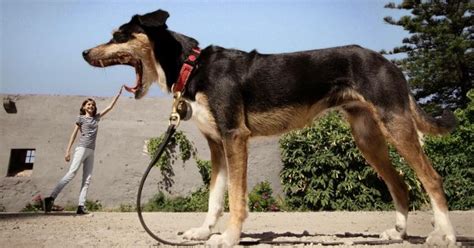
(154, 19)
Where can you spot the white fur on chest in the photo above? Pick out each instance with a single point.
(203, 117)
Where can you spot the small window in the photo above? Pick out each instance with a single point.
(30, 157)
(21, 162)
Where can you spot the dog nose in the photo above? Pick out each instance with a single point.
(85, 53)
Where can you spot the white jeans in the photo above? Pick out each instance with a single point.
(81, 156)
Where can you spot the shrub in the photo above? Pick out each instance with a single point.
(196, 202)
(204, 167)
(453, 157)
(32, 207)
(127, 207)
(35, 205)
(170, 155)
(93, 206)
(323, 170)
(261, 199)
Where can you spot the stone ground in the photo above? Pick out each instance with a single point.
(112, 229)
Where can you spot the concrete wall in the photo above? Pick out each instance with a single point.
(45, 123)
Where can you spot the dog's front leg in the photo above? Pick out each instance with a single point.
(235, 146)
(217, 190)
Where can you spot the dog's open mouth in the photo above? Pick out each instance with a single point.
(124, 59)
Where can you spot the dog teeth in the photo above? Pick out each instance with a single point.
(101, 63)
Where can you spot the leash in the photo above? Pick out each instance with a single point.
(180, 111)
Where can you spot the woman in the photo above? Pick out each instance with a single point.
(87, 123)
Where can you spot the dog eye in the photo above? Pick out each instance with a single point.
(121, 37)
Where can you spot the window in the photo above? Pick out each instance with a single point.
(30, 157)
(21, 162)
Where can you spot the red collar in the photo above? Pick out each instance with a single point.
(186, 70)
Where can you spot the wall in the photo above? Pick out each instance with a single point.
(45, 123)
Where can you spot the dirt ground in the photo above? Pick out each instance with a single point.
(111, 229)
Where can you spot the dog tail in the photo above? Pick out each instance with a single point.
(427, 124)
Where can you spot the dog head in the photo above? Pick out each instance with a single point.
(146, 44)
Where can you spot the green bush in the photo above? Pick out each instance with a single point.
(93, 206)
(416, 194)
(453, 158)
(32, 207)
(323, 169)
(205, 169)
(170, 155)
(127, 207)
(195, 202)
(261, 199)
(35, 205)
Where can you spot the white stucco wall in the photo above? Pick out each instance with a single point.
(45, 123)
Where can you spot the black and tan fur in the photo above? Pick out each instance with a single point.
(237, 95)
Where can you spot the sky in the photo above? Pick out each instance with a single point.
(41, 41)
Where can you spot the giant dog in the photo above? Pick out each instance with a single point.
(237, 95)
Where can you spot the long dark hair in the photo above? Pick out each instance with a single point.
(83, 112)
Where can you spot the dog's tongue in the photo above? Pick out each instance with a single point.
(130, 89)
(137, 83)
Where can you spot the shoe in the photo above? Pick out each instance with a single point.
(48, 204)
(81, 210)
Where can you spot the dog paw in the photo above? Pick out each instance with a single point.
(440, 239)
(198, 233)
(223, 240)
(392, 234)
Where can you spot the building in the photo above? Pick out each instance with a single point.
(35, 130)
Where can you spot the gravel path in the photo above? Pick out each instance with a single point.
(108, 229)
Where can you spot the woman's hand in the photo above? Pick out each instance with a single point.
(106, 110)
(67, 157)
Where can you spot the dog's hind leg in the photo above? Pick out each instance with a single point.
(217, 189)
(405, 138)
(235, 146)
(370, 140)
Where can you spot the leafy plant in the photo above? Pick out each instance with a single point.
(170, 155)
(93, 206)
(261, 199)
(35, 205)
(204, 167)
(196, 202)
(453, 158)
(323, 170)
(127, 207)
(416, 194)
(32, 207)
